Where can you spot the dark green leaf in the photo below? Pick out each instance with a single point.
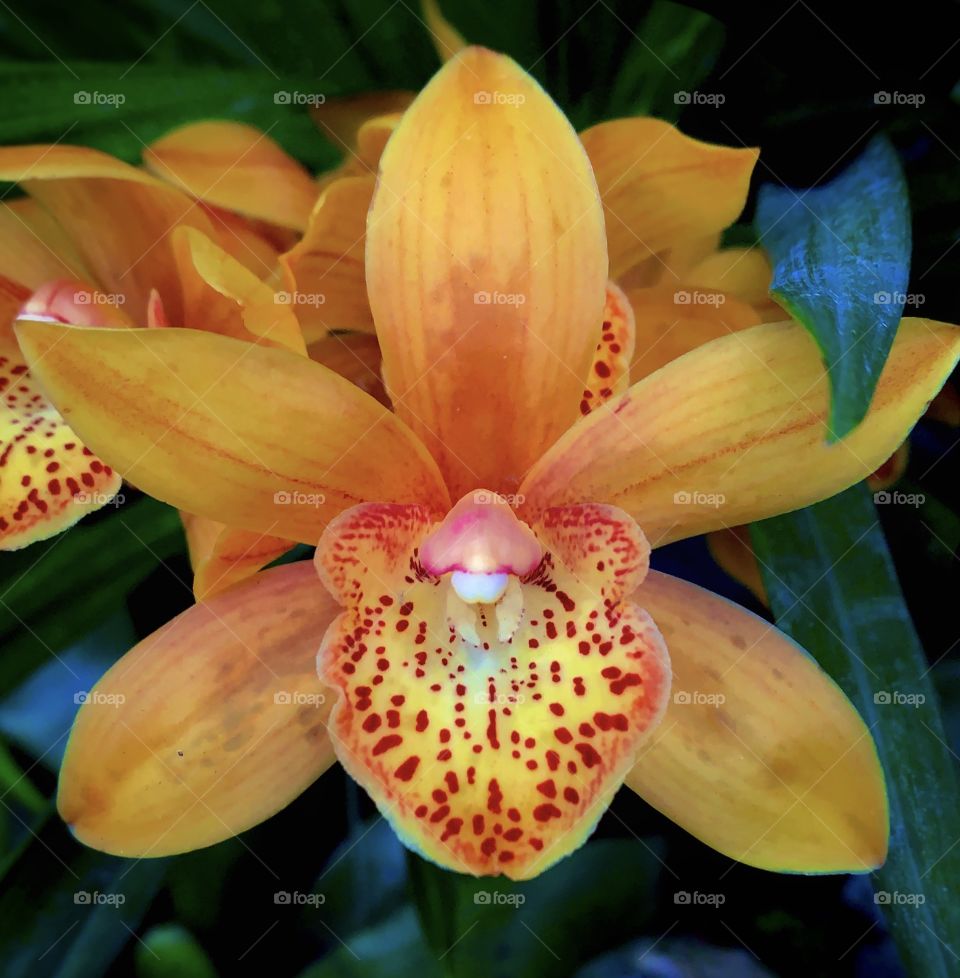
(171, 951)
(833, 588)
(491, 927)
(841, 256)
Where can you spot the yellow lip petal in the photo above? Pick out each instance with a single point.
(486, 269)
(255, 437)
(661, 188)
(117, 216)
(323, 273)
(760, 754)
(237, 167)
(735, 431)
(208, 726)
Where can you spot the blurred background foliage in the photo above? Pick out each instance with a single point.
(799, 80)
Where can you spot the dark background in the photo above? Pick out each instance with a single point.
(799, 80)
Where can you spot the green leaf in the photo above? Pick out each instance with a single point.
(171, 951)
(67, 911)
(489, 927)
(841, 256)
(15, 784)
(54, 593)
(833, 588)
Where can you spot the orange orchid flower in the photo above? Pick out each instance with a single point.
(493, 649)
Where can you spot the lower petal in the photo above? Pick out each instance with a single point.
(490, 754)
(760, 754)
(207, 727)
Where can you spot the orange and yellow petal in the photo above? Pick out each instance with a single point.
(255, 437)
(486, 269)
(492, 737)
(323, 274)
(732, 549)
(33, 248)
(736, 431)
(117, 216)
(661, 188)
(222, 556)
(48, 478)
(342, 119)
(610, 371)
(355, 356)
(760, 755)
(222, 296)
(671, 321)
(236, 167)
(208, 726)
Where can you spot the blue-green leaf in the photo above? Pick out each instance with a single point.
(833, 588)
(841, 256)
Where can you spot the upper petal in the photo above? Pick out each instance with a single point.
(486, 269)
(255, 437)
(760, 754)
(235, 166)
(735, 431)
(208, 726)
(661, 188)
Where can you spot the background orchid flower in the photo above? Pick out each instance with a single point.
(487, 275)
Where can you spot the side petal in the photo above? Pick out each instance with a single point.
(661, 188)
(355, 356)
(237, 167)
(760, 754)
(255, 437)
(486, 270)
(222, 556)
(117, 216)
(610, 371)
(673, 320)
(48, 478)
(735, 431)
(221, 296)
(207, 727)
(34, 249)
(323, 273)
